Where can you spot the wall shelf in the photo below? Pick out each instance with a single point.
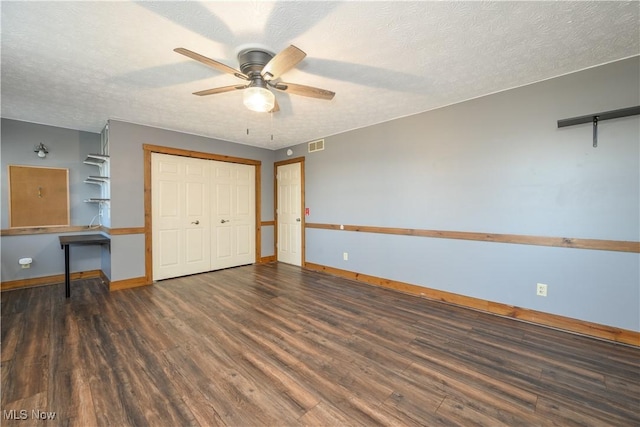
(102, 162)
(100, 180)
(96, 159)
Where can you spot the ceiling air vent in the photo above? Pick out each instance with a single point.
(316, 145)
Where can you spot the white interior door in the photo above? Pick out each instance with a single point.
(289, 213)
(180, 211)
(233, 215)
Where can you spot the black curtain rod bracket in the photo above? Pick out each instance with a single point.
(595, 118)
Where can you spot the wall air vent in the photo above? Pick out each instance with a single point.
(316, 145)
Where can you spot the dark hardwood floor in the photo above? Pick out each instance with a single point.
(277, 345)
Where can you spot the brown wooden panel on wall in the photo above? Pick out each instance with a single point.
(30, 231)
(38, 196)
(562, 242)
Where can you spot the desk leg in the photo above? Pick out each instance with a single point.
(67, 279)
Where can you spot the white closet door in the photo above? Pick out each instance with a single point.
(289, 208)
(180, 214)
(232, 214)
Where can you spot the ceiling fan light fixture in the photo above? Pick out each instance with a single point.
(259, 99)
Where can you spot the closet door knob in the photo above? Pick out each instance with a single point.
(298, 219)
(222, 221)
(196, 222)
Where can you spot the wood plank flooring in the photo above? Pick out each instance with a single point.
(278, 345)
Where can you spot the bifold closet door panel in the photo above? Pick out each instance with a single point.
(233, 214)
(180, 216)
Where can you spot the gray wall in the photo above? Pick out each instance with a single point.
(67, 149)
(496, 164)
(127, 186)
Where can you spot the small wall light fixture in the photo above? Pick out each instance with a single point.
(42, 150)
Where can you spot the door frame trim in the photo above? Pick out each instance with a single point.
(302, 207)
(148, 220)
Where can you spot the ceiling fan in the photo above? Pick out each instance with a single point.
(261, 69)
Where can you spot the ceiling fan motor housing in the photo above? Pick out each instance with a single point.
(252, 61)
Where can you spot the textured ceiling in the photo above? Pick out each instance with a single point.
(78, 64)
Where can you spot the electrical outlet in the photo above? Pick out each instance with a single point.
(345, 256)
(541, 290)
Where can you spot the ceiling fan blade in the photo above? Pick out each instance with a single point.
(303, 90)
(219, 90)
(210, 62)
(282, 62)
(276, 107)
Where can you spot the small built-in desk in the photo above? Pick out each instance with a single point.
(78, 239)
